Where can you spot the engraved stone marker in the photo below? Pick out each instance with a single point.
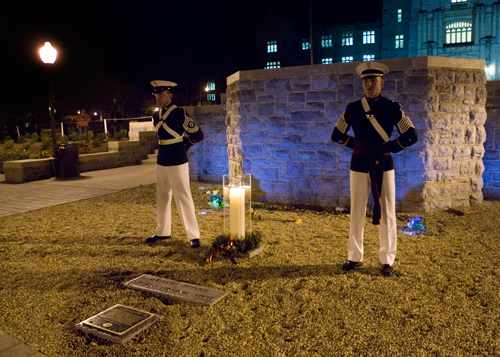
(118, 324)
(176, 290)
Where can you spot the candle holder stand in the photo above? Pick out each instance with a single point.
(237, 191)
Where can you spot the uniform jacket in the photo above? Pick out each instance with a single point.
(179, 121)
(389, 115)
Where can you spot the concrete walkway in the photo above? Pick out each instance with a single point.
(29, 196)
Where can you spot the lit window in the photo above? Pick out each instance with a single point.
(368, 58)
(326, 61)
(400, 15)
(210, 86)
(347, 59)
(347, 39)
(211, 97)
(368, 37)
(457, 1)
(459, 32)
(306, 45)
(272, 46)
(400, 41)
(326, 41)
(270, 65)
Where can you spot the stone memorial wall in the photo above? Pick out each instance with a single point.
(279, 123)
(208, 160)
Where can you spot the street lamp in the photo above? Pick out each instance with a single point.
(48, 54)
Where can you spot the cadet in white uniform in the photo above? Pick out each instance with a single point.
(176, 132)
(373, 119)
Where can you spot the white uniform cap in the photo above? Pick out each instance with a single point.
(372, 69)
(161, 86)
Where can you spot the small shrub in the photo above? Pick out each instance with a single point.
(102, 137)
(74, 136)
(122, 134)
(46, 142)
(99, 139)
(8, 144)
(34, 138)
(62, 138)
(27, 145)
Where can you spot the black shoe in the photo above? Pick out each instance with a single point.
(350, 265)
(155, 238)
(195, 243)
(387, 270)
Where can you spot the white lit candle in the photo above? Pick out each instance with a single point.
(237, 211)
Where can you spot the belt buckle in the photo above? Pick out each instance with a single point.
(370, 116)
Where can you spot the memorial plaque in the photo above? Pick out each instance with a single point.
(176, 290)
(118, 324)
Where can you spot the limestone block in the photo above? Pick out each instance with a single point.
(445, 76)
(480, 135)
(477, 152)
(476, 198)
(458, 91)
(450, 176)
(478, 115)
(440, 205)
(460, 119)
(463, 77)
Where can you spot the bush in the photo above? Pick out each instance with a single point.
(74, 136)
(98, 140)
(62, 138)
(122, 134)
(46, 142)
(9, 144)
(34, 138)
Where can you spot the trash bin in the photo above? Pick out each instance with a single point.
(67, 161)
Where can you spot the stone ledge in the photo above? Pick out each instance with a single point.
(350, 68)
(28, 170)
(99, 161)
(121, 153)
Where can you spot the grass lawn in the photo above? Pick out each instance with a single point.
(63, 264)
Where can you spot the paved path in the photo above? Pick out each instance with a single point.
(24, 197)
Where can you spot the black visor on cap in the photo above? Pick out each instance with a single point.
(370, 73)
(157, 90)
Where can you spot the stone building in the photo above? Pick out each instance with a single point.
(413, 28)
(445, 28)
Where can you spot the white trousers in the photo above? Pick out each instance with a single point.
(360, 189)
(175, 180)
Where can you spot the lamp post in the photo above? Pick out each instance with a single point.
(48, 54)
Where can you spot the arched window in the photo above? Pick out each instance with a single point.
(459, 32)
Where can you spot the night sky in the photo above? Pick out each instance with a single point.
(109, 49)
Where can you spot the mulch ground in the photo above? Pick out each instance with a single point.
(63, 264)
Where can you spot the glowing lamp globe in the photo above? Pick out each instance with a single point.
(48, 53)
